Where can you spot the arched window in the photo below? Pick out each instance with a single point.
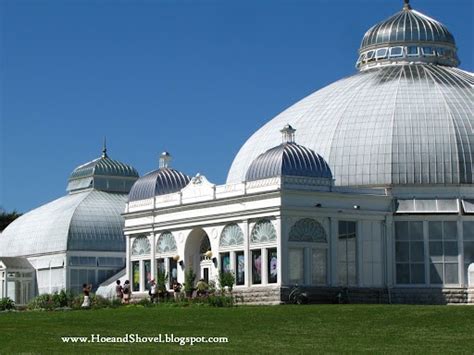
(141, 246)
(307, 234)
(205, 244)
(263, 232)
(231, 235)
(166, 243)
(307, 230)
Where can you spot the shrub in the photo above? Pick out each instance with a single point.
(62, 299)
(42, 302)
(6, 304)
(220, 301)
(145, 302)
(52, 301)
(226, 279)
(161, 278)
(189, 278)
(212, 287)
(96, 302)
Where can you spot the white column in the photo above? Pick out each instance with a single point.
(264, 269)
(460, 239)
(282, 276)
(142, 276)
(168, 269)
(233, 264)
(333, 251)
(247, 257)
(153, 255)
(389, 260)
(127, 258)
(359, 252)
(307, 265)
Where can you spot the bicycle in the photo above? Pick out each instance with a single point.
(297, 295)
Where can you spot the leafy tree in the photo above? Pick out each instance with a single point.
(7, 217)
(189, 278)
(226, 279)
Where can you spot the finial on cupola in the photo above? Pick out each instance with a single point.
(104, 149)
(165, 159)
(288, 134)
(406, 5)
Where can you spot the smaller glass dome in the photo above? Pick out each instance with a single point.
(103, 174)
(162, 181)
(407, 36)
(288, 159)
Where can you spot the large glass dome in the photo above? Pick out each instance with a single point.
(88, 218)
(399, 122)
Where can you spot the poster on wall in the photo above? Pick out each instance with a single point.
(240, 279)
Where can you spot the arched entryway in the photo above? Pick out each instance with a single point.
(198, 254)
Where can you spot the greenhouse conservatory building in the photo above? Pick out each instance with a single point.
(365, 186)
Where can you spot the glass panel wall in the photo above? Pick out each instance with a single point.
(240, 263)
(296, 265)
(135, 275)
(272, 266)
(347, 253)
(256, 266)
(468, 237)
(319, 266)
(443, 251)
(409, 252)
(225, 262)
(147, 269)
(173, 274)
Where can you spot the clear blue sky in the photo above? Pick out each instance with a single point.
(196, 78)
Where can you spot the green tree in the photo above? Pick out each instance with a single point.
(7, 217)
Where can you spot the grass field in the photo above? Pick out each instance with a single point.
(278, 329)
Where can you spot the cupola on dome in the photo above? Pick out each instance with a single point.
(288, 159)
(408, 36)
(162, 181)
(103, 174)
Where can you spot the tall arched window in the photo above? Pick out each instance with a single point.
(141, 246)
(166, 243)
(166, 262)
(307, 239)
(264, 233)
(231, 235)
(232, 252)
(141, 249)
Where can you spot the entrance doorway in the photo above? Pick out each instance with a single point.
(198, 255)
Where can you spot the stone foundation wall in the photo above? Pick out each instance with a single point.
(384, 295)
(274, 295)
(270, 295)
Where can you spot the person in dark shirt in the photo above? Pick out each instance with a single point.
(119, 290)
(126, 292)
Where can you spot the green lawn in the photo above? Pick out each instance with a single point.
(279, 329)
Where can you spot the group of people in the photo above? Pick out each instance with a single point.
(153, 290)
(124, 292)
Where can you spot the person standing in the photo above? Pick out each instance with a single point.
(126, 292)
(176, 289)
(152, 291)
(86, 289)
(119, 291)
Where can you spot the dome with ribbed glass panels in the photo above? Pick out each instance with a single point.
(288, 159)
(103, 174)
(88, 218)
(398, 121)
(164, 180)
(408, 36)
